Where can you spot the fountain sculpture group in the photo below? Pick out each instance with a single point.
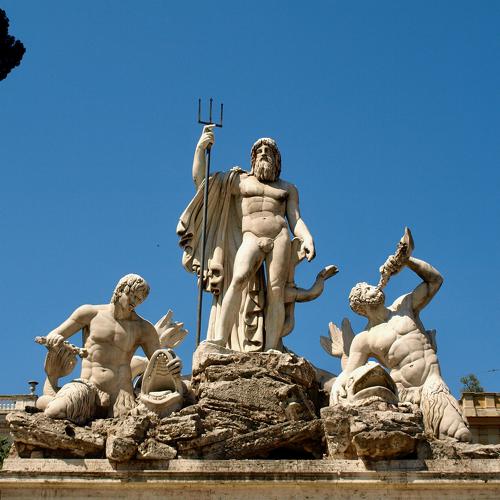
(248, 396)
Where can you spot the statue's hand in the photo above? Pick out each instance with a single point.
(54, 339)
(393, 265)
(207, 138)
(174, 366)
(308, 248)
(338, 391)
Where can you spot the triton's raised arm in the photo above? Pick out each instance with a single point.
(207, 139)
(432, 281)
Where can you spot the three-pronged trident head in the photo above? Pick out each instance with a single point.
(210, 122)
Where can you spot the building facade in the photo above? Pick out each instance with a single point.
(482, 410)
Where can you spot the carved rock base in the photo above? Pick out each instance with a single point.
(254, 405)
(248, 406)
(377, 430)
(258, 405)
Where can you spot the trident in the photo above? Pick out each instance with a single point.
(205, 210)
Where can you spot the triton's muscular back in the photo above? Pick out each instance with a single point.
(411, 357)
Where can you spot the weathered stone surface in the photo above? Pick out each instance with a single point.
(177, 428)
(132, 426)
(253, 404)
(39, 431)
(278, 441)
(120, 449)
(376, 430)
(153, 450)
(251, 479)
(229, 365)
(385, 445)
(245, 411)
(442, 449)
(251, 390)
(195, 448)
(337, 428)
(467, 450)
(125, 434)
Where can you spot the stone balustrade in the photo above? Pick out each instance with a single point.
(12, 402)
(15, 402)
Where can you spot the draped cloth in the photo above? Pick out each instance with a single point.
(223, 238)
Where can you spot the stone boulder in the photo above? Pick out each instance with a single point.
(376, 430)
(253, 405)
(39, 435)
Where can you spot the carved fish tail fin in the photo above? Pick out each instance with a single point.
(339, 343)
(164, 320)
(171, 333)
(347, 335)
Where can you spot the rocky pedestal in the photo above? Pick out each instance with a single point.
(255, 405)
(248, 405)
(378, 431)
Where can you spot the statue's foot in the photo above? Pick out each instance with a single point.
(452, 425)
(442, 414)
(273, 351)
(464, 435)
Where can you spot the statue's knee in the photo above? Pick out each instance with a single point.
(57, 408)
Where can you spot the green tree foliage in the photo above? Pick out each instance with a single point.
(4, 449)
(11, 50)
(471, 384)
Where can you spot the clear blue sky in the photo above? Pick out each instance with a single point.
(387, 114)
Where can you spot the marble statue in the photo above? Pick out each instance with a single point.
(161, 390)
(111, 334)
(396, 337)
(60, 361)
(370, 382)
(250, 217)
